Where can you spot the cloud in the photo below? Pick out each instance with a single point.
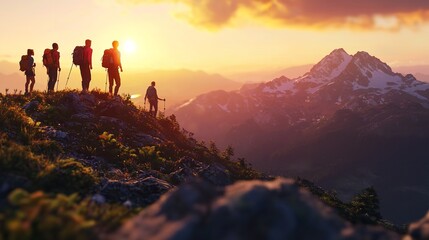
(362, 14)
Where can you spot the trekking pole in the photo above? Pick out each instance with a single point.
(58, 79)
(69, 75)
(105, 85)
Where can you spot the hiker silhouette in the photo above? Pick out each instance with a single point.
(153, 98)
(113, 69)
(86, 66)
(51, 59)
(29, 72)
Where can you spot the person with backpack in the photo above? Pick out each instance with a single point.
(51, 59)
(30, 74)
(112, 69)
(86, 66)
(152, 95)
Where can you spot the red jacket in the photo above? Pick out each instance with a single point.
(56, 58)
(87, 56)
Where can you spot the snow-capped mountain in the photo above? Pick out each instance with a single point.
(338, 81)
(349, 123)
(346, 80)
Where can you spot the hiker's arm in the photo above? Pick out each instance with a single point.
(90, 59)
(120, 62)
(59, 66)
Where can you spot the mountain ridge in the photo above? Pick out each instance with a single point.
(269, 122)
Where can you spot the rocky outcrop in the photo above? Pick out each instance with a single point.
(188, 170)
(139, 192)
(76, 103)
(277, 209)
(419, 230)
(115, 108)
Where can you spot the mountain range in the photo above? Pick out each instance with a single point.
(348, 123)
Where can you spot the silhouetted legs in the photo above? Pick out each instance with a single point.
(53, 74)
(28, 80)
(114, 75)
(85, 72)
(153, 104)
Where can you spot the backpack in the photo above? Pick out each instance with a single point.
(78, 55)
(24, 63)
(48, 60)
(107, 60)
(151, 93)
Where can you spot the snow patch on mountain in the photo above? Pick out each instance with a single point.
(186, 103)
(383, 83)
(280, 87)
(329, 67)
(380, 81)
(224, 107)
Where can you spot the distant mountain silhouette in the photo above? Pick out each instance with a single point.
(421, 72)
(349, 123)
(422, 77)
(177, 86)
(259, 76)
(11, 81)
(8, 67)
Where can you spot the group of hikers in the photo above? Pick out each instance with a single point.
(82, 56)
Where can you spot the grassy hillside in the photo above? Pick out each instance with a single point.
(71, 164)
(77, 166)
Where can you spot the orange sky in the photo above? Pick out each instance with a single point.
(220, 36)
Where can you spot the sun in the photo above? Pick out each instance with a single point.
(129, 46)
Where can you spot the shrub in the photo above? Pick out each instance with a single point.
(365, 206)
(19, 159)
(14, 122)
(38, 215)
(49, 149)
(150, 154)
(114, 151)
(67, 176)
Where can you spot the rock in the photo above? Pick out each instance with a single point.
(52, 132)
(419, 230)
(189, 163)
(98, 198)
(142, 139)
(114, 108)
(128, 204)
(31, 106)
(183, 175)
(60, 135)
(189, 169)
(88, 100)
(83, 117)
(216, 174)
(116, 171)
(140, 192)
(245, 210)
(112, 121)
(72, 101)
